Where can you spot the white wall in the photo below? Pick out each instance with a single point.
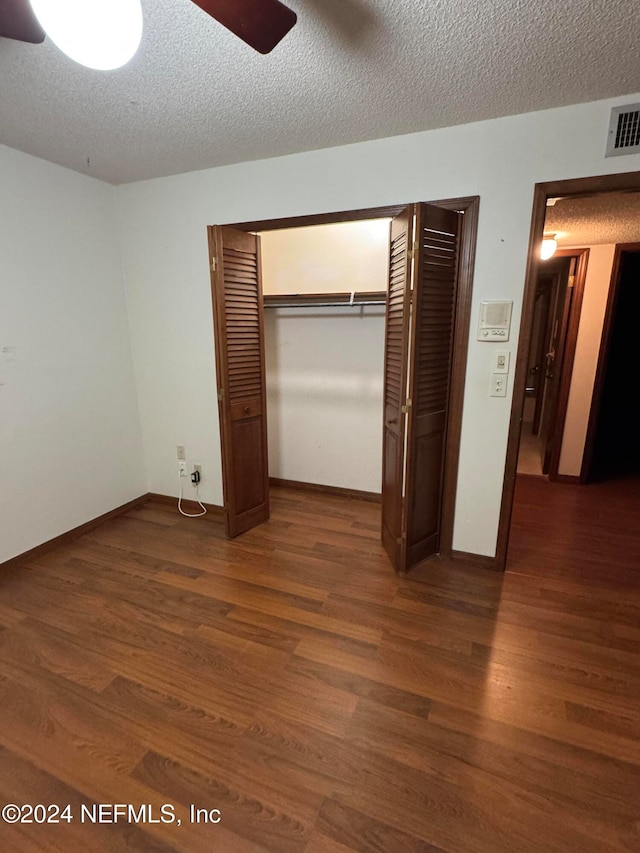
(166, 261)
(69, 426)
(333, 258)
(594, 304)
(324, 395)
(325, 366)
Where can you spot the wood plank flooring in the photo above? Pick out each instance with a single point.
(290, 680)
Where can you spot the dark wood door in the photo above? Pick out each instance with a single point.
(559, 316)
(540, 340)
(423, 277)
(239, 340)
(395, 383)
(435, 278)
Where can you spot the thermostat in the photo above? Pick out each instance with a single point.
(495, 321)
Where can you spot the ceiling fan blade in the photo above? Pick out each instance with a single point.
(262, 24)
(17, 21)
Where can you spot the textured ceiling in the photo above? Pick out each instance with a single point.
(595, 220)
(195, 96)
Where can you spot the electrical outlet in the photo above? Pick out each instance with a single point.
(182, 468)
(498, 385)
(198, 468)
(181, 454)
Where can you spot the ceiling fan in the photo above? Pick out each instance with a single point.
(262, 24)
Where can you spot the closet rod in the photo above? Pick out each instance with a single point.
(324, 304)
(326, 300)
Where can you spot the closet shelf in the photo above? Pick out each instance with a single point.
(326, 300)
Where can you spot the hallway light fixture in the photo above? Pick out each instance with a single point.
(100, 34)
(549, 246)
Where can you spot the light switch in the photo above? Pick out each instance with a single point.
(501, 361)
(498, 385)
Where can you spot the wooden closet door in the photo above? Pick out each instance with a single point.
(435, 277)
(395, 384)
(239, 341)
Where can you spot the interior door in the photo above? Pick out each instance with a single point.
(418, 356)
(540, 340)
(435, 278)
(552, 366)
(239, 341)
(396, 361)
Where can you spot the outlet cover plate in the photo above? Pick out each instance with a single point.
(498, 385)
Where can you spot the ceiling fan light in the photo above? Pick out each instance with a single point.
(100, 34)
(548, 248)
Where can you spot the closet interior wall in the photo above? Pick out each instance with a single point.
(324, 365)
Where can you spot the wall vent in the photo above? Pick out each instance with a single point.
(624, 130)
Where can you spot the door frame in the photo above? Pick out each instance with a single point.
(542, 191)
(470, 206)
(603, 358)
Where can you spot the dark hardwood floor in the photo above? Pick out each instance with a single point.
(292, 681)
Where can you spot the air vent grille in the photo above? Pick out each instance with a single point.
(624, 130)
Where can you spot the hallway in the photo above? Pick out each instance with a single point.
(585, 534)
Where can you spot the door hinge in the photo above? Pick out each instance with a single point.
(214, 264)
(415, 248)
(406, 407)
(572, 281)
(221, 395)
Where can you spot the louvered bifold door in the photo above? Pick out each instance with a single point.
(435, 274)
(395, 383)
(239, 338)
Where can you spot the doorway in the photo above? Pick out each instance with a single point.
(244, 420)
(555, 323)
(545, 195)
(325, 292)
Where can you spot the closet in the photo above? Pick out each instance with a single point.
(334, 353)
(324, 290)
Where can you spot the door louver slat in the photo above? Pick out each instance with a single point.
(436, 315)
(242, 324)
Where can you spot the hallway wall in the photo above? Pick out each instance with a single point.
(594, 305)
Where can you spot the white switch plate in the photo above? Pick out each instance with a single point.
(498, 385)
(181, 452)
(501, 361)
